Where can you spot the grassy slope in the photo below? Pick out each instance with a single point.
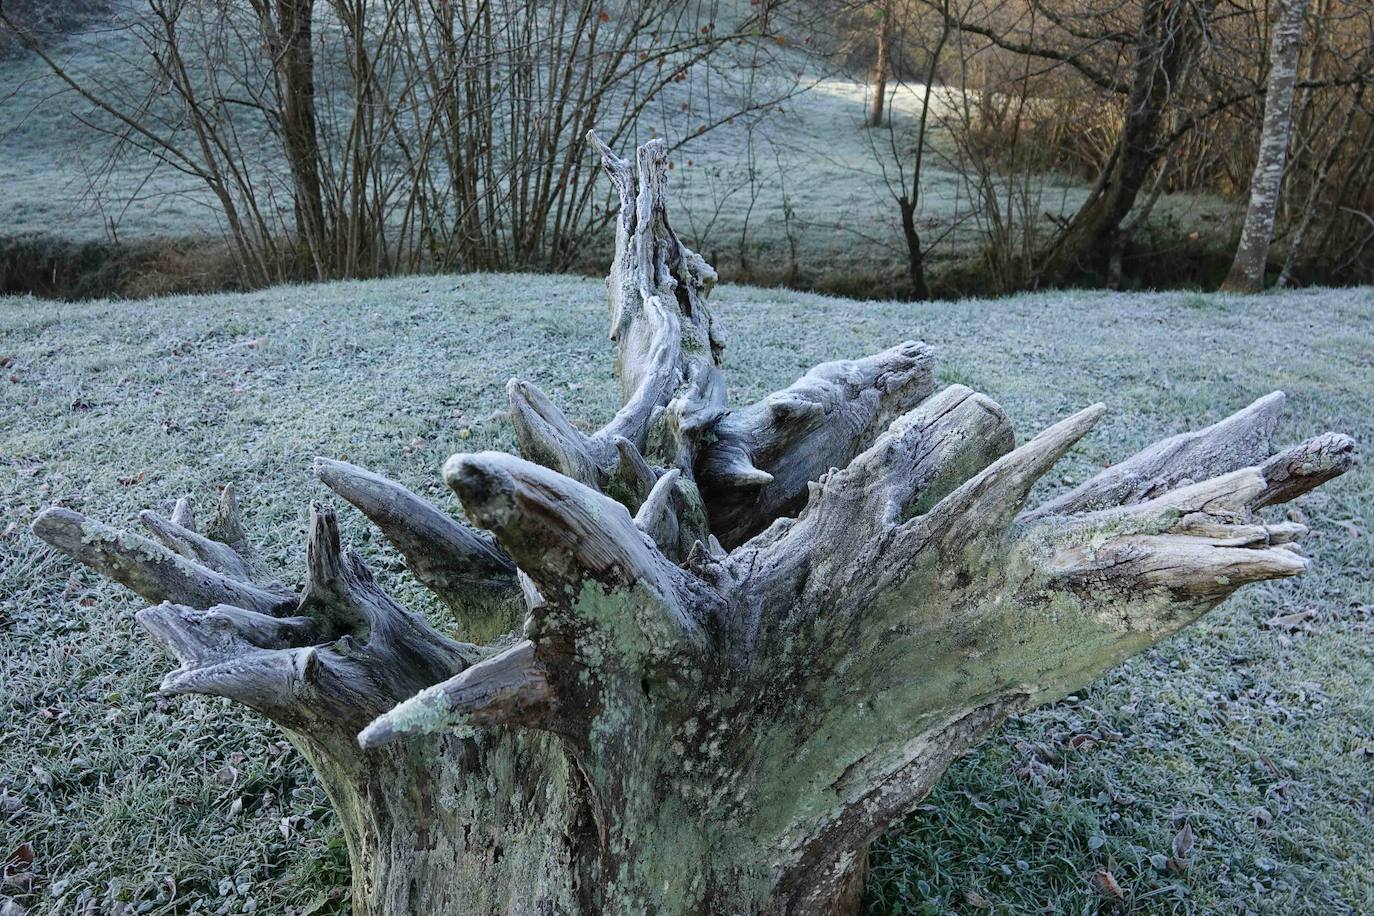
(1260, 741)
(817, 183)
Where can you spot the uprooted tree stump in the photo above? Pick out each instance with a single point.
(737, 643)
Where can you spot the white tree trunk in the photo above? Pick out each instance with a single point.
(713, 653)
(1252, 255)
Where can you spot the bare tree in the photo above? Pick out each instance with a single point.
(1166, 44)
(726, 665)
(365, 137)
(1252, 254)
(905, 184)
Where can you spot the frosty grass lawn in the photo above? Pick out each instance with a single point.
(1261, 739)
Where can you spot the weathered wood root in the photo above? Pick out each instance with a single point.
(191, 569)
(298, 659)
(750, 638)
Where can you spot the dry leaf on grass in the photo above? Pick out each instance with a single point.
(1105, 884)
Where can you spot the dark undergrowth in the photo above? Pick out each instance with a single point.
(50, 267)
(56, 268)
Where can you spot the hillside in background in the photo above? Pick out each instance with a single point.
(799, 193)
(50, 21)
(1255, 727)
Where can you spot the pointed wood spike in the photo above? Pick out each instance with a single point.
(446, 556)
(183, 632)
(507, 689)
(656, 517)
(547, 437)
(1305, 467)
(529, 591)
(1239, 441)
(731, 466)
(632, 480)
(227, 526)
(183, 514)
(987, 503)
(923, 456)
(617, 170)
(148, 568)
(559, 531)
(755, 466)
(213, 554)
(324, 556)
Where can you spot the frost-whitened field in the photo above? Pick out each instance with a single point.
(1258, 737)
(799, 192)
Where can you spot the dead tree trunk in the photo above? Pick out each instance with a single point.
(710, 653)
(1252, 255)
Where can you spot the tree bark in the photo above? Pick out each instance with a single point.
(881, 65)
(1252, 254)
(916, 261)
(715, 652)
(290, 38)
(1166, 45)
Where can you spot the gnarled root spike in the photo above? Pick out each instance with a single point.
(1305, 467)
(449, 558)
(183, 514)
(343, 597)
(227, 525)
(566, 536)
(559, 531)
(222, 653)
(656, 517)
(1241, 440)
(1198, 542)
(632, 480)
(986, 505)
(761, 458)
(922, 457)
(547, 437)
(356, 649)
(150, 569)
(212, 554)
(510, 688)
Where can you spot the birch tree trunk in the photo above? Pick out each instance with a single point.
(708, 653)
(1252, 255)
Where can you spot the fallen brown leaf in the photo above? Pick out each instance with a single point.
(1290, 623)
(977, 900)
(20, 858)
(1183, 842)
(1106, 885)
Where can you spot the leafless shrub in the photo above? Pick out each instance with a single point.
(364, 137)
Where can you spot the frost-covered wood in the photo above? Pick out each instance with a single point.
(708, 653)
(1252, 254)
